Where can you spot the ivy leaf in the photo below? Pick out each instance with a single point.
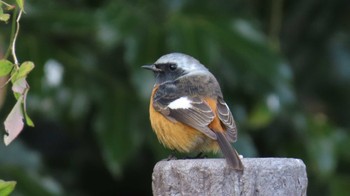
(14, 122)
(6, 187)
(5, 67)
(4, 17)
(20, 86)
(29, 121)
(23, 71)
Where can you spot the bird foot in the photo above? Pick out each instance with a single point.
(171, 157)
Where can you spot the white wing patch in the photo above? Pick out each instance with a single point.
(180, 103)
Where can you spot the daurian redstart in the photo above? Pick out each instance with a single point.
(187, 109)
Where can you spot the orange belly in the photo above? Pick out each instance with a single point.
(178, 136)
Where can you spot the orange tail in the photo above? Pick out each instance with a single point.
(229, 152)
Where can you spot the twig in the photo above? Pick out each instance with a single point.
(14, 40)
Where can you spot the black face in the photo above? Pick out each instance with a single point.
(166, 72)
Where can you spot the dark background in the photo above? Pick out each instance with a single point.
(283, 65)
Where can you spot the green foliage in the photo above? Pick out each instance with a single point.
(17, 74)
(22, 72)
(27, 169)
(3, 16)
(5, 67)
(284, 73)
(20, 3)
(6, 187)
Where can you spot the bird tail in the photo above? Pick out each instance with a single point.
(229, 152)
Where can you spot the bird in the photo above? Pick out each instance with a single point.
(187, 109)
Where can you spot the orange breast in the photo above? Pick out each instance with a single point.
(178, 136)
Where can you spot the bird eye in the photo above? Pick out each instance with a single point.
(172, 67)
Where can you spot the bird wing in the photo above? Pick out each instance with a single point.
(226, 118)
(190, 110)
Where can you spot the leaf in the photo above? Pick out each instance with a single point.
(4, 17)
(14, 122)
(20, 86)
(29, 121)
(20, 3)
(6, 187)
(5, 67)
(23, 70)
(116, 144)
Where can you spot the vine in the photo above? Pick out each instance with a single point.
(16, 72)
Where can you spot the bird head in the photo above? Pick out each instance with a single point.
(175, 65)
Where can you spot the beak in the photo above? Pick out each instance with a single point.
(151, 67)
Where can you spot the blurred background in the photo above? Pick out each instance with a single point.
(283, 65)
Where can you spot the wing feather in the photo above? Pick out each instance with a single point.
(226, 118)
(199, 115)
